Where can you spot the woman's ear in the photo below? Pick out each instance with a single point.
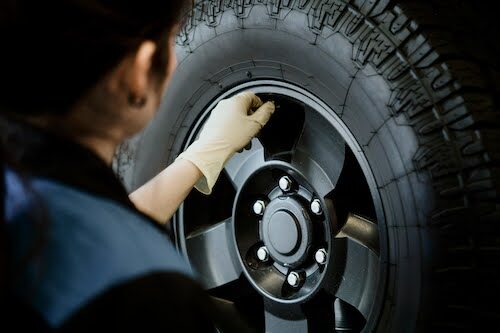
(138, 74)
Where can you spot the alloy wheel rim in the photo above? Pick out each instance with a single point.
(241, 174)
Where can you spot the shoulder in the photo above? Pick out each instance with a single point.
(116, 232)
(103, 219)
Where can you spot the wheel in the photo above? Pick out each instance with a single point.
(369, 202)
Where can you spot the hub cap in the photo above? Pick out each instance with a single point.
(286, 229)
(283, 232)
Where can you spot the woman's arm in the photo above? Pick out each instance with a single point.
(230, 127)
(162, 195)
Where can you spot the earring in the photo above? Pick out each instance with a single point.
(135, 101)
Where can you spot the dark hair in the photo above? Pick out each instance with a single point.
(62, 48)
(53, 52)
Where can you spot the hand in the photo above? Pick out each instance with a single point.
(230, 127)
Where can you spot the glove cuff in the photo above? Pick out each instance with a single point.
(210, 158)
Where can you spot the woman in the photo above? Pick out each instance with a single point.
(79, 254)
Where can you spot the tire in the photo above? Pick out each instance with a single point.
(423, 111)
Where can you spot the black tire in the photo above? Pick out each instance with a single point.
(423, 111)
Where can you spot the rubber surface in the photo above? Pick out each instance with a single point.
(422, 108)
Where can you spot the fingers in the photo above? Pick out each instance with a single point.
(249, 100)
(264, 113)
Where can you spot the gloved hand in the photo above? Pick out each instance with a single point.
(230, 127)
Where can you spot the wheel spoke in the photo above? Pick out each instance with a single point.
(233, 316)
(362, 231)
(211, 253)
(275, 324)
(241, 165)
(347, 317)
(315, 315)
(226, 307)
(320, 152)
(351, 192)
(358, 282)
(281, 318)
(313, 172)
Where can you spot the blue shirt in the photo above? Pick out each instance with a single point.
(89, 244)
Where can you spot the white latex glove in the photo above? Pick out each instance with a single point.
(230, 127)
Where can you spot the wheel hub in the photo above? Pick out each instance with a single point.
(287, 235)
(286, 231)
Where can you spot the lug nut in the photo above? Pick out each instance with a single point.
(293, 279)
(320, 256)
(263, 254)
(316, 207)
(285, 183)
(259, 207)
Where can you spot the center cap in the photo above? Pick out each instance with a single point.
(284, 233)
(286, 230)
